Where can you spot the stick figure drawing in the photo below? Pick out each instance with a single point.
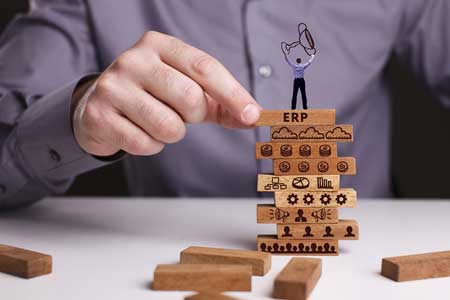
(306, 41)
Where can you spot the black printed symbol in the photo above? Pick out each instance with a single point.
(308, 232)
(321, 214)
(323, 183)
(338, 134)
(287, 231)
(284, 166)
(342, 166)
(322, 167)
(303, 166)
(325, 199)
(300, 217)
(275, 185)
(310, 133)
(286, 150)
(300, 183)
(292, 199)
(283, 133)
(349, 232)
(266, 150)
(263, 247)
(341, 199)
(278, 214)
(328, 232)
(308, 199)
(305, 150)
(325, 150)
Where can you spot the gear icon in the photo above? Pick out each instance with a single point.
(341, 199)
(308, 199)
(292, 199)
(325, 199)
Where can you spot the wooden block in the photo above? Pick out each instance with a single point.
(269, 214)
(298, 279)
(260, 262)
(343, 230)
(272, 150)
(315, 166)
(270, 243)
(297, 117)
(274, 183)
(418, 266)
(209, 296)
(202, 277)
(341, 198)
(24, 263)
(330, 133)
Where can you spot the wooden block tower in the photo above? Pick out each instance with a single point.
(305, 181)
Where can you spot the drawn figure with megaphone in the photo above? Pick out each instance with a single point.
(306, 41)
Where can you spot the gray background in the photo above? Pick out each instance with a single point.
(420, 137)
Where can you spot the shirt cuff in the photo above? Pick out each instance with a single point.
(46, 141)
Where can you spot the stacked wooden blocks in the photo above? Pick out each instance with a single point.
(305, 182)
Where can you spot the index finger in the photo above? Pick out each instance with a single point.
(211, 75)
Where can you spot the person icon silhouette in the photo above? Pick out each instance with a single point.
(287, 232)
(300, 217)
(349, 232)
(328, 232)
(308, 232)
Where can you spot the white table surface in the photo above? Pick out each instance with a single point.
(108, 248)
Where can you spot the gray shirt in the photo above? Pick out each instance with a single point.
(45, 53)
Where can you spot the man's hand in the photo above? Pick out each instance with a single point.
(144, 98)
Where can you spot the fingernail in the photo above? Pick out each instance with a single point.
(250, 114)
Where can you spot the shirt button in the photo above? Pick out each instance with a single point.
(54, 155)
(2, 189)
(265, 71)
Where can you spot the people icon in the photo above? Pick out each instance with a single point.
(308, 232)
(299, 66)
(328, 232)
(300, 217)
(349, 232)
(287, 231)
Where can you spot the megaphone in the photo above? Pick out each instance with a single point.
(321, 214)
(279, 214)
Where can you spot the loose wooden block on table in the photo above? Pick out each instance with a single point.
(340, 198)
(271, 244)
(275, 183)
(260, 262)
(202, 277)
(343, 230)
(313, 133)
(270, 214)
(272, 150)
(418, 266)
(299, 117)
(24, 263)
(298, 279)
(209, 296)
(315, 166)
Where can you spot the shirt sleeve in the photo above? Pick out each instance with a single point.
(424, 43)
(43, 55)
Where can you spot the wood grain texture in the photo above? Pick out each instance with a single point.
(341, 198)
(315, 166)
(418, 266)
(313, 133)
(271, 244)
(298, 279)
(260, 262)
(24, 263)
(297, 149)
(297, 183)
(343, 230)
(202, 277)
(299, 117)
(209, 296)
(269, 214)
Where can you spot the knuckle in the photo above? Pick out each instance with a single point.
(93, 117)
(176, 46)
(151, 36)
(104, 85)
(170, 128)
(125, 60)
(193, 96)
(204, 65)
(136, 145)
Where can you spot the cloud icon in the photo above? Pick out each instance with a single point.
(338, 134)
(311, 134)
(283, 133)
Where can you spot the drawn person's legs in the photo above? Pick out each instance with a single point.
(296, 86)
(303, 91)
